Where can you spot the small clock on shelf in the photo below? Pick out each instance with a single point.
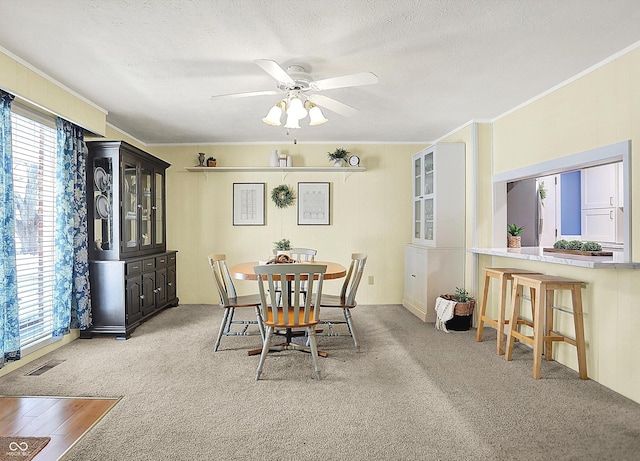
(354, 160)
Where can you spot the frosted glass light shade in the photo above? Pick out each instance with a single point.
(316, 117)
(273, 117)
(292, 122)
(296, 108)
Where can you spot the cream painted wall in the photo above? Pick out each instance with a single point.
(370, 212)
(598, 109)
(34, 88)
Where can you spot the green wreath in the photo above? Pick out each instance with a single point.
(283, 196)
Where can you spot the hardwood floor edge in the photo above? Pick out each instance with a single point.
(116, 400)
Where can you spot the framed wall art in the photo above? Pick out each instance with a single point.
(248, 204)
(313, 204)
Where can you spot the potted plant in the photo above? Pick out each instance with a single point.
(462, 314)
(282, 247)
(514, 238)
(338, 156)
(211, 161)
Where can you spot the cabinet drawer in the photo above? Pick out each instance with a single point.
(161, 261)
(134, 267)
(149, 264)
(171, 259)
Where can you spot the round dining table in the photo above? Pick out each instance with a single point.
(244, 271)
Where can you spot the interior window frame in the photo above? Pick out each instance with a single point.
(618, 152)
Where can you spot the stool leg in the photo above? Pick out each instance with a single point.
(538, 331)
(483, 307)
(516, 292)
(576, 298)
(548, 326)
(501, 313)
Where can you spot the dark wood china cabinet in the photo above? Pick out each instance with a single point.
(132, 274)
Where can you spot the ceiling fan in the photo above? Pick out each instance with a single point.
(301, 93)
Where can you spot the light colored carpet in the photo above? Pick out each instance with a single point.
(413, 393)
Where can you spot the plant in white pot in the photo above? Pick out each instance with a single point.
(338, 156)
(282, 247)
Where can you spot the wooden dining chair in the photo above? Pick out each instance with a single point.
(296, 311)
(231, 301)
(346, 300)
(301, 255)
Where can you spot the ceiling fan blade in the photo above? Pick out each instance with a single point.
(333, 105)
(364, 78)
(275, 70)
(245, 95)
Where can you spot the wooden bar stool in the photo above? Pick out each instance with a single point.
(503, 275)
(543, 334)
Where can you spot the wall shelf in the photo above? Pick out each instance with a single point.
(327, 169)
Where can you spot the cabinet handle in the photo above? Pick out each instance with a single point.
(154, 208)
(413, 275)
(169, 284)
(611, 214)
(139, 206)
(141, 296)
(158, 290)
(611, 201)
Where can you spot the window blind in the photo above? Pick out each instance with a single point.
(33, 142)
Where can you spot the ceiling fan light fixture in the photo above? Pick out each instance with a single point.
(273, 117)
(316, 117)
(292, 122)
(296, 108)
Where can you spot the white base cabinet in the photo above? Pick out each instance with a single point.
(428, 273)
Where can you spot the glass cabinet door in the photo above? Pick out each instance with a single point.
(428, 218)
(417, 177)
(130, 204)
(158, 210)
(146, 222)
(428, 173)
(424, 198)
(103, 211)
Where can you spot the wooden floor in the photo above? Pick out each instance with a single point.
(64, 419)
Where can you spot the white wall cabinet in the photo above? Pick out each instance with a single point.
(429, 273)
(601, 204)
(434, 261)
(600, 187)
(438, 196)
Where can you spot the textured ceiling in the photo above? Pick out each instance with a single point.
(153, 64)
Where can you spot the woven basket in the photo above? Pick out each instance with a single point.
(461, 309)
(513, 241)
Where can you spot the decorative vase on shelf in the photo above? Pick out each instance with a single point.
(201, 159)
(273, 160)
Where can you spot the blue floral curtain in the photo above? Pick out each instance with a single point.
(72, 304)
(9, 325)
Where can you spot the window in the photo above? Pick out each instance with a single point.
(33, 139)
